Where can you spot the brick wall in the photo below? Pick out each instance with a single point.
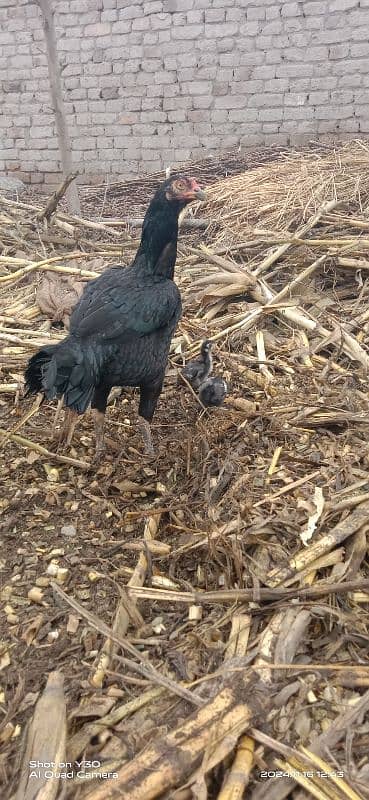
(149, 83)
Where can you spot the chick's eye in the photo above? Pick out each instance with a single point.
(180, 185)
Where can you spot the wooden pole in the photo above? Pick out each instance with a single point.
(58, 104)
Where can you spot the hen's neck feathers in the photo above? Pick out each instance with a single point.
(157, 251)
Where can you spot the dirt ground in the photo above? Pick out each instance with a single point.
(238, 498)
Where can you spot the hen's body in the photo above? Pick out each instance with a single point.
(140, 314)
(121, 329)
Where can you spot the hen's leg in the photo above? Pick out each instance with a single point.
(56, 418)
(98, 405)
(145, 431)
(69, 424)
(149, 396)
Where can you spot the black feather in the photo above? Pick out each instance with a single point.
(34, 370)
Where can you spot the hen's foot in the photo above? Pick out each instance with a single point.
(65, 435)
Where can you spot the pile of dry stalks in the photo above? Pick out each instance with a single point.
(210, 617)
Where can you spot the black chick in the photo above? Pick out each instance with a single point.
(198, 370)
(121, 329)
(213, 391)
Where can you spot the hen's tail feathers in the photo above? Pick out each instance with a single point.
(33, 373)
(64, 369)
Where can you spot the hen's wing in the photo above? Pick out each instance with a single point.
(121, 305)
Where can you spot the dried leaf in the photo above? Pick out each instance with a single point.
(32, 630)
(4, 657)
(314, 517)
(52, 473)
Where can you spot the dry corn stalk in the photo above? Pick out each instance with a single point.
(280, 640)
(169, 761)
(273, 257)
(45, 743)
(239, 773)
(321, 589)
(81, 740)
(279, 788)
(305, 557)
(38, 448)
(239, 636)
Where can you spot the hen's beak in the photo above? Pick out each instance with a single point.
(194, 194)
(197, 191)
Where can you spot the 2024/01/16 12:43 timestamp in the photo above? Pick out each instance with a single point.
(274, 773)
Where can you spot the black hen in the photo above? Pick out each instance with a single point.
(198, 370)
(121, 329)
